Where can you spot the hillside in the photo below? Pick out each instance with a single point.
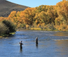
(6, 7)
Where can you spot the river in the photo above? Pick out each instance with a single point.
(50, 44)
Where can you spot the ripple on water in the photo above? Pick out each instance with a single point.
(50, 45)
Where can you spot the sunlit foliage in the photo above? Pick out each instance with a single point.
(44, 17)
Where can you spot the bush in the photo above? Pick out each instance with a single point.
(9, 25)
(50, 27)
(3, 29)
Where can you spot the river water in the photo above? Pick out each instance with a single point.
(50, 44)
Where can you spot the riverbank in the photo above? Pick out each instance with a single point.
(23, 29)
(7, 35)
(38, 29)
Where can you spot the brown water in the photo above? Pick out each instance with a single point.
(51, 44)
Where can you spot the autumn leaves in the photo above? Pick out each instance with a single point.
(44, 17)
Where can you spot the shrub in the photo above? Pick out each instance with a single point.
(50, 27)
(9, 25)
(3, 29)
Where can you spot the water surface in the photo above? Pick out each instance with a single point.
(51, 44)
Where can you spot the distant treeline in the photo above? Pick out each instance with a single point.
(44, 17)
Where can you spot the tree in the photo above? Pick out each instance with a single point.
(9, 25)
(27, 15)
(64, 0)
(3, 29)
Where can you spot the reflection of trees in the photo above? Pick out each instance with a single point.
(61, 34)
(63, 43)
(62, 47)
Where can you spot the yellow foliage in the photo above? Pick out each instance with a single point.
(35, 28)
(42, 16)
(27, 26)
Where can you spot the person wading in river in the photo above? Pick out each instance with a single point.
(21, 44)
(37, 40)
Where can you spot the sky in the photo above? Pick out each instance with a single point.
(35, 3)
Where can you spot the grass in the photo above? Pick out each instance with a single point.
(35, 29)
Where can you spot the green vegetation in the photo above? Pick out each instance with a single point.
(6, 28)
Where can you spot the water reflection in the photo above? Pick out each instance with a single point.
(61, 34)
(62, 47)
(63, 43)
(48, 46)
(37, 45)
(20, 50)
